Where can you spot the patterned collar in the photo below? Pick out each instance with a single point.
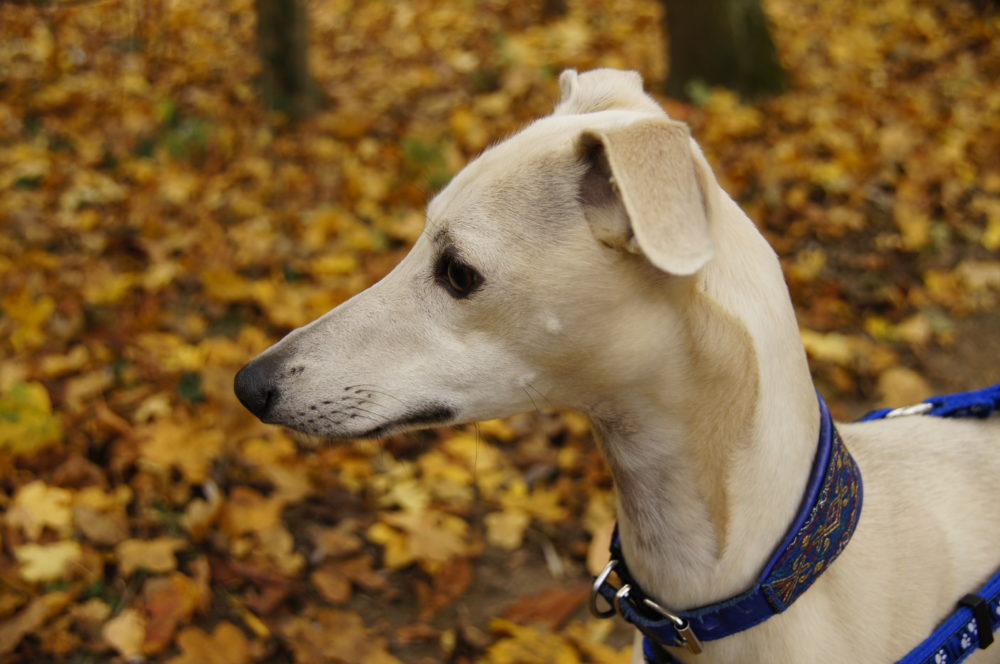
(824, 524)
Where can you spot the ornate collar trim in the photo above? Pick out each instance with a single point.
(824, 524)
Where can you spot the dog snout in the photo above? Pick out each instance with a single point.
(256, 386)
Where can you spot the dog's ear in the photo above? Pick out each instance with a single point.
(602, 90)
(645, 191)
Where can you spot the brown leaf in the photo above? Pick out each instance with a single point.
(225, 645)
(552, 607)
(168, 601)
(39, 611)
(155, 555)
(328, 636)
(331, 583)
(451, 582)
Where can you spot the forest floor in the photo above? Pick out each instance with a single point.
(159, 229)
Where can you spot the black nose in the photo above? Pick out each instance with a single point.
(255, 386)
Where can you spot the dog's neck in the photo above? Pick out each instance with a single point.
(710, 465)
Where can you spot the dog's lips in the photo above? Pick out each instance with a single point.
(435, 414)
(430, 415)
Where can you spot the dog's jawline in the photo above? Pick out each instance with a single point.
(430, 415)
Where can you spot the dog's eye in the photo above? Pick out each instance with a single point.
(456, 277)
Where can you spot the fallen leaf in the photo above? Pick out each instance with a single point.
(528, 645)
(505, 529)
(40, 610)
(27, 423)
(48, 562)
(328, 636)
(428, 537)
(168, 602)
(37, 506)
(225, 645)
(126, 633)
(331, 583)
(155, 555)
(899, 386)
(550, 608)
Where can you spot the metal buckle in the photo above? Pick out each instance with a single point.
(915, 409)
(688, 638)
(595, 591)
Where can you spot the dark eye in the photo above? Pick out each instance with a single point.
(456, 277)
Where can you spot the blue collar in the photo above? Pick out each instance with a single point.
(820, 531)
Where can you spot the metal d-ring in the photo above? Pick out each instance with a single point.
(595, 591)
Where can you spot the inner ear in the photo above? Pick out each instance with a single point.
(602, 203)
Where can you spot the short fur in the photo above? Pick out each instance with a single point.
(620, 279)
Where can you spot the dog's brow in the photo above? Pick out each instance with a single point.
(443, 237)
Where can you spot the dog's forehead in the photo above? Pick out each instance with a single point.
(532, 174)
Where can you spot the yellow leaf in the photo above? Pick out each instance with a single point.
(428, 537)
(408, 494)
(188, 446)
(225, 285)
(126, 633)
(540, 503)
(830, 347)
(506, 529)
(38, 506)
(58, 365)
(899, 386)
(914, 227)
(225, 645)
(396, 550)
(48, 562)
(807, 265)
(991, 236)
(109, 288)
(589, 637)
(155, 555)
(247, 511)
(27, 422)
(101, 516)
(333, 264)
(528, 645)
(29, 311)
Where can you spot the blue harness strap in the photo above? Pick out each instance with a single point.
(832, 506)
(972, 624)
(978, 403)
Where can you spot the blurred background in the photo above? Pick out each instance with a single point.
(181, 183)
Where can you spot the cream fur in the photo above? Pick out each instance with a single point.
(653, 305)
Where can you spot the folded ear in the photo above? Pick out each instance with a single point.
(602, 90)
(643, 192)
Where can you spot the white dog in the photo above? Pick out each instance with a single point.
(594, 259)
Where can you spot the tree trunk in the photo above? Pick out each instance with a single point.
(720, 42)
(282, 45)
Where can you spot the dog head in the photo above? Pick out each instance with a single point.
(536, 262)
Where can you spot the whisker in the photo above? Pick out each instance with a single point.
(374, 390)
(530, 398)
(539, 393)
(364, 410)
(475, 457)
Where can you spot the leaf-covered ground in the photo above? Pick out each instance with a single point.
(157, 229)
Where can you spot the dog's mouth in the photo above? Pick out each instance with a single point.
(431, 415)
